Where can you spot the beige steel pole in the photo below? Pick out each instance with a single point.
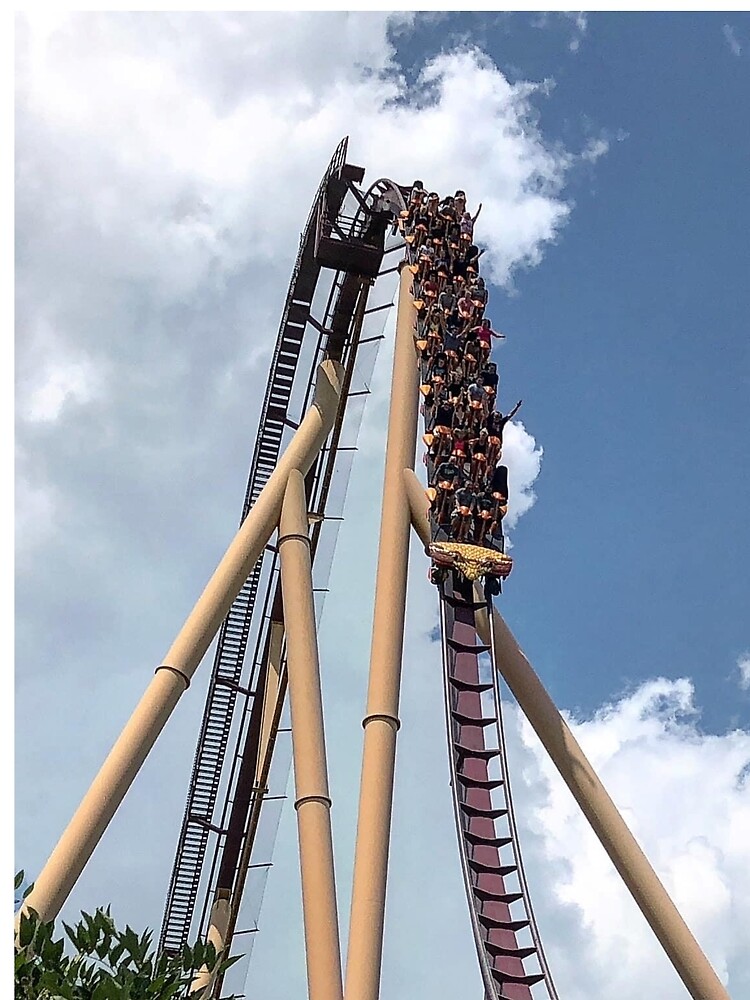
(381, 722)
(671, 930)
(313, 802)
(419, 506)
(217, 936)
(108, 789)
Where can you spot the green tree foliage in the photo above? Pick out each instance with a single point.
(102, 962)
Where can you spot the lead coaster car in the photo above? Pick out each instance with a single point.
(472, 561)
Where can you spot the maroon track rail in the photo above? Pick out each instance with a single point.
(509, 948)
(510, 953)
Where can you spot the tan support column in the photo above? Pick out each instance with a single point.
(419, 506)
(381, 721)
(108, 789)
(313, 803)
(681, 947)
(217, 936)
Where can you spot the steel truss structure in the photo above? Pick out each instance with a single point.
(351, 258)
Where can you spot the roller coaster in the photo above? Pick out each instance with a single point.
(361, 250)
(348, 242)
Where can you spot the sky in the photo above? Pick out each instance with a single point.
(164, 170)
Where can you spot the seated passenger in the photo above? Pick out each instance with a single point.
(437, 369)
(417, 192)
(453, 238)
(462, 514)
(459, 285)
(461, 409)
(447, 473)
(455, 386)
(486, 334)
(465, 310)
(437, 231)
(479, 444)
(460, 442)
(430, 289)
(477, 403)
(447, 300)
(494, 449)
(489, 379)
(421, 227)
(496, 422)
(478, 295)
(425, 261)
(447, 479)
(442, 429)
(447, 208)
(484, 516)
(459, 201)
(471, 259)
(442, 271)
(472, 354)
(433, 332)
(453, 342)
(466, 228)
(498, 489)
(415, 201)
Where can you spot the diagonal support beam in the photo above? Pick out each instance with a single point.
(419, 506)
(632, 864)
(313, 802)
(217, 936)
(172, 678)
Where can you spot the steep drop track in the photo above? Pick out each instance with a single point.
(510, 952)
(511, 957)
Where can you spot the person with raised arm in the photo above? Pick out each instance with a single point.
(496, 422)
(466, 228)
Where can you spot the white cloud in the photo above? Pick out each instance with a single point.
(577, 19)
(58, 385)
(730, 37)
(580, 25)
(594, 149)
(165, 168)
(163, 176)
(524, 460)
(743, 666)
(684, 796)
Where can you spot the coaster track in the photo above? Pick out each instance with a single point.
(509, 948)
(229, 781)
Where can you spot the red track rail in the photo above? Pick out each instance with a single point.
(509, 948)
(508, 945)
